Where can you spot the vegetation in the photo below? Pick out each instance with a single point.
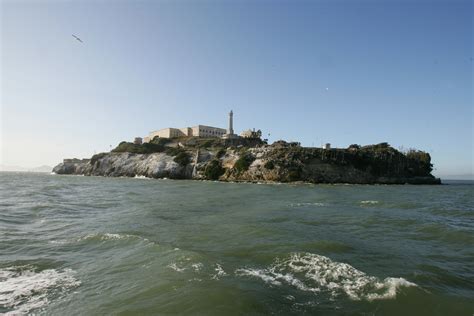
(145, 148)
(220, 153)
(354, 146)
(97, 157)
(160, 140)
(243, 163)
(174, 151)
(214, 170)
(269, 165)
(207, 144)
(379, 160)
(294, 173)
(419, 162)
(182, 158)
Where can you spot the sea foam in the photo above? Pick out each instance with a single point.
(22, 289)
(219, 272)
(110, 236)
(369, 202)
(307, 204)
(315, 273)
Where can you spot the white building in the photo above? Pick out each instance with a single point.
(198, 131)
(251, 133)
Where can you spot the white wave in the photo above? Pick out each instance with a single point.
(24, 290)
(307, 204)
(197, 266)
(219, 272)
(110, 236)
(369, 202)
(58, 242)
(315, 273)
(263, 274)
(290, 297)
(141, 177)
(175, 267)
(106, 236)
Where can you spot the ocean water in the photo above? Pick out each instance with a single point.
(72, 245)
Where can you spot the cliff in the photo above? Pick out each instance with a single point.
(253, 160)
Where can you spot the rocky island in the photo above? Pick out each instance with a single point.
(253, 160)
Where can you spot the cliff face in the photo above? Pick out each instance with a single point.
(280, 162)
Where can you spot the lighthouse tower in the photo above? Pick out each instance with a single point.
(230, 130)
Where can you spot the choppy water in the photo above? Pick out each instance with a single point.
(93, 246)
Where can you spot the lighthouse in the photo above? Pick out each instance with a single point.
(230, 129)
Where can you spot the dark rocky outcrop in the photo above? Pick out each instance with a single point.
(253, 160)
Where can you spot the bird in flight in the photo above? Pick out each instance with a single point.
(77, 38)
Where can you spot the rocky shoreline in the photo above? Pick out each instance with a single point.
(254, 161)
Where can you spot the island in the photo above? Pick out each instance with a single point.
(205, 152)
(251, 159)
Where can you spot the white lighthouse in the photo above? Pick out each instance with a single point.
(230, 130)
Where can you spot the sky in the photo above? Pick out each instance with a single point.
(339, 72)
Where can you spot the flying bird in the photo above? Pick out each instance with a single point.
(77, 38)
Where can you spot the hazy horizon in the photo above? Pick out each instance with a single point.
(341, 72)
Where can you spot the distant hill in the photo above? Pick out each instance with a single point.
(459, 177)
(43, 168)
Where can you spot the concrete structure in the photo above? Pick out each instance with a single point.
(230, 131)
(231, 123)
(137, 141)
(251, 133)
(208, 131)
(327, 146)
(198, 131)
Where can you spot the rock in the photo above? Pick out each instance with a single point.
(282, 162)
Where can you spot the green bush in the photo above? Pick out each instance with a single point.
(220, 153)
(269, 165)
(160, 140)
(207, 144)
(146, 148)
(243, 163)
(182, 158)
(173, 151)
(213, 170)
(294, 173)
(97, 157)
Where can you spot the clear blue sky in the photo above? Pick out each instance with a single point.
(342, 72)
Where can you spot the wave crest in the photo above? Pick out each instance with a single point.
(315, 273)
(110, 236)
(22, 289)
(369, 202)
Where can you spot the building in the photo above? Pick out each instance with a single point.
(327, 146)
(251, 133)
(137, 141)
(198, 131)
